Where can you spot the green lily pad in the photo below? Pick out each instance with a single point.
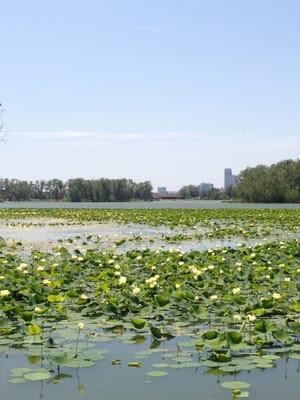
(17, 380)
(20, 371)
(157, 373)
(138, 323)
(77, 363)
(235, 385)
(37, 376)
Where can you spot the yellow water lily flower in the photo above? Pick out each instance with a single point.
(4, 293)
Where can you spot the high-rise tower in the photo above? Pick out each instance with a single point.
(229, 180)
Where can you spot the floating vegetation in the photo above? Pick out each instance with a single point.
(224, 310)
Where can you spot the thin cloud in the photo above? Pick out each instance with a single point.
(87, 136)
(217, 143)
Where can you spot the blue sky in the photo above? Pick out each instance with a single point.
(170, 91)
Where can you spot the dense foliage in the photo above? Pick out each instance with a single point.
(193, 192)
(278, 183)
(75, 190)
(244, 220)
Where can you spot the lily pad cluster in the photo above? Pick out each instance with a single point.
(239, 308)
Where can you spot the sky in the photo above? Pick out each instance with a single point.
(171, 91)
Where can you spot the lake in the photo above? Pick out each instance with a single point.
(165, 367)
(146, 204)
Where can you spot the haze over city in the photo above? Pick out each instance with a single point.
(171, 92)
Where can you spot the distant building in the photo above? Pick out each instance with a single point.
(163, 194)
(229, 178)
(162, 190)
(205, 187)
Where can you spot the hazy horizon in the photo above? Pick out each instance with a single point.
(171, 92)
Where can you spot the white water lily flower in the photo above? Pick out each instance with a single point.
(46, 281)
(136, 290)
(122, 280)
(4, 293)
(37, 309)
(251, 317)
(152, 282)
(83, 296)
(117, 273)
(287, 279)
(80, 326)
(213, 297)
(2, 277)
(276, 296)
(40, 268)
(177, 285)
(195, 271)
(236, 290)
(237, 318)
(21, 267)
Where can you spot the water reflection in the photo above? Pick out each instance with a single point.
(116, 380)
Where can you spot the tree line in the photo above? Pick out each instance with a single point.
(278, 183)
(193, 192)
(75, 190)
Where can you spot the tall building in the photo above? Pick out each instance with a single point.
(229, 178)
(205, 187)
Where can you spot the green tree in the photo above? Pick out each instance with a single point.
(189, 191)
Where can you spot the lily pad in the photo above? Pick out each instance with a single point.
(157, 373)
(233, 385)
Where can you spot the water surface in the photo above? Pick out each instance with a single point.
(146, 204)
